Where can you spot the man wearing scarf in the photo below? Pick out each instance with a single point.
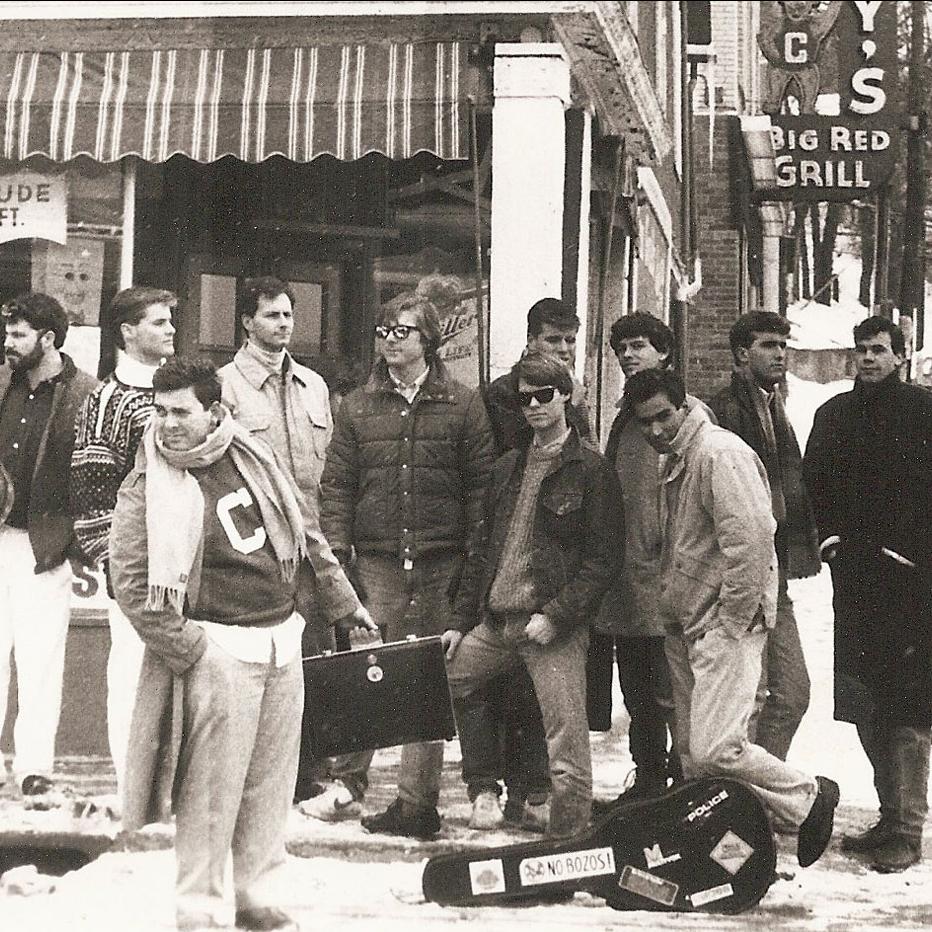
(751, 406)
(868, 469)
(206, 539)
(287, 406)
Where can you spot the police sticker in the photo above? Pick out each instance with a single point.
(647, 885)
(731, 852)
(567, 866)
(703, 809)
(486, 877)
(702, 897)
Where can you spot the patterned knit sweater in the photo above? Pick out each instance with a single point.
(108, 430)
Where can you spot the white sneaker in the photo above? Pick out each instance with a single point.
(536, 818)
(335, 804)
(486, 812)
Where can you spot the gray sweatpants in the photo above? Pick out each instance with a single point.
(236, 775)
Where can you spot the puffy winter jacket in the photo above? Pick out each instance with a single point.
(406, 479)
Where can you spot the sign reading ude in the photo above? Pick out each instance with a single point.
(846, 49)
(33, 205)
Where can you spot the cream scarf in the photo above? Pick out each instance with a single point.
(175, 507)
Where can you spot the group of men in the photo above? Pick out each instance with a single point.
(427, 508)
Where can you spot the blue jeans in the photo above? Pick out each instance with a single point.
(405, 602)
(558, 671)
(715, 679)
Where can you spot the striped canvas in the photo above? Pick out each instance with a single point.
(397, 99)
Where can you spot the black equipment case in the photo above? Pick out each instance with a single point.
(377, 696)
(705, 846)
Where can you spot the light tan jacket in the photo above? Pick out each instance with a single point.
(718, 564)
(253, 397)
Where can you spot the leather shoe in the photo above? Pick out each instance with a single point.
(816, 831)
(869, 840)
(265, 919)
(36, 785)
(400, 819)
(897, 854)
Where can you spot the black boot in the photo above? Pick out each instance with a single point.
(816, 832)
(897, 854)
(869, 840)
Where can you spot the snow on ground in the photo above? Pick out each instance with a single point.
(347, 879)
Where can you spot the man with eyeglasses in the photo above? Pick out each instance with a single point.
(548, 553)
(41, 391)
(402, 489)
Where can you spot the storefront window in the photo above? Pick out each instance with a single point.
(60, 233)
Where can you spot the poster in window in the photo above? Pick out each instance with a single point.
(73, 274)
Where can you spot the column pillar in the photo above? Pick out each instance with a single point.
(532, 92)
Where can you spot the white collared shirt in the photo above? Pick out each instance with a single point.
(280, 643)
(409, 390)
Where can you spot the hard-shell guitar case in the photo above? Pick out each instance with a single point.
(706, 846)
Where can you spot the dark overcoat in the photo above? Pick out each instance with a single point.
(868, 470)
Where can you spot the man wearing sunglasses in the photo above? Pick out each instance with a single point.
(552, 327)
(548, 551)
(403, 487)
(41, 392)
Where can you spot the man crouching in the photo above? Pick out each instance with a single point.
(718, 598)
(207, 535)
(549, 549)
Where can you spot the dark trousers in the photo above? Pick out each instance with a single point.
(509, 741)
(899, 755)
(644, 677)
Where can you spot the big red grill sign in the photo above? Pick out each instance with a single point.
(846, 49)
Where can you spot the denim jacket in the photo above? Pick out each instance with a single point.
(578, 537)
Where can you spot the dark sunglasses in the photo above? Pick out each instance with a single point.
(399, 331)
(543, 395)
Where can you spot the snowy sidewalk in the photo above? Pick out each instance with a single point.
(347, 879)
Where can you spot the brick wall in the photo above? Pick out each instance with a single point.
(717, 304)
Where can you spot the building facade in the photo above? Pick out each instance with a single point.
(486, 154)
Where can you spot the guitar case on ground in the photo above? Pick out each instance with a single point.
(705, 846)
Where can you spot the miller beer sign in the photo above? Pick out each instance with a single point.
(837, 51)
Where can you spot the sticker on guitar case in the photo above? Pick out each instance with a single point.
(731, 852)
(647, 885)
(656, 858)
(568, 866)
(703, 809)
(486, 877)
(702, 897)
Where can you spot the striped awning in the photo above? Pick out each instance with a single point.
(349, 100)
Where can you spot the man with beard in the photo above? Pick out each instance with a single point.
(41, 391)
(868, 469)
